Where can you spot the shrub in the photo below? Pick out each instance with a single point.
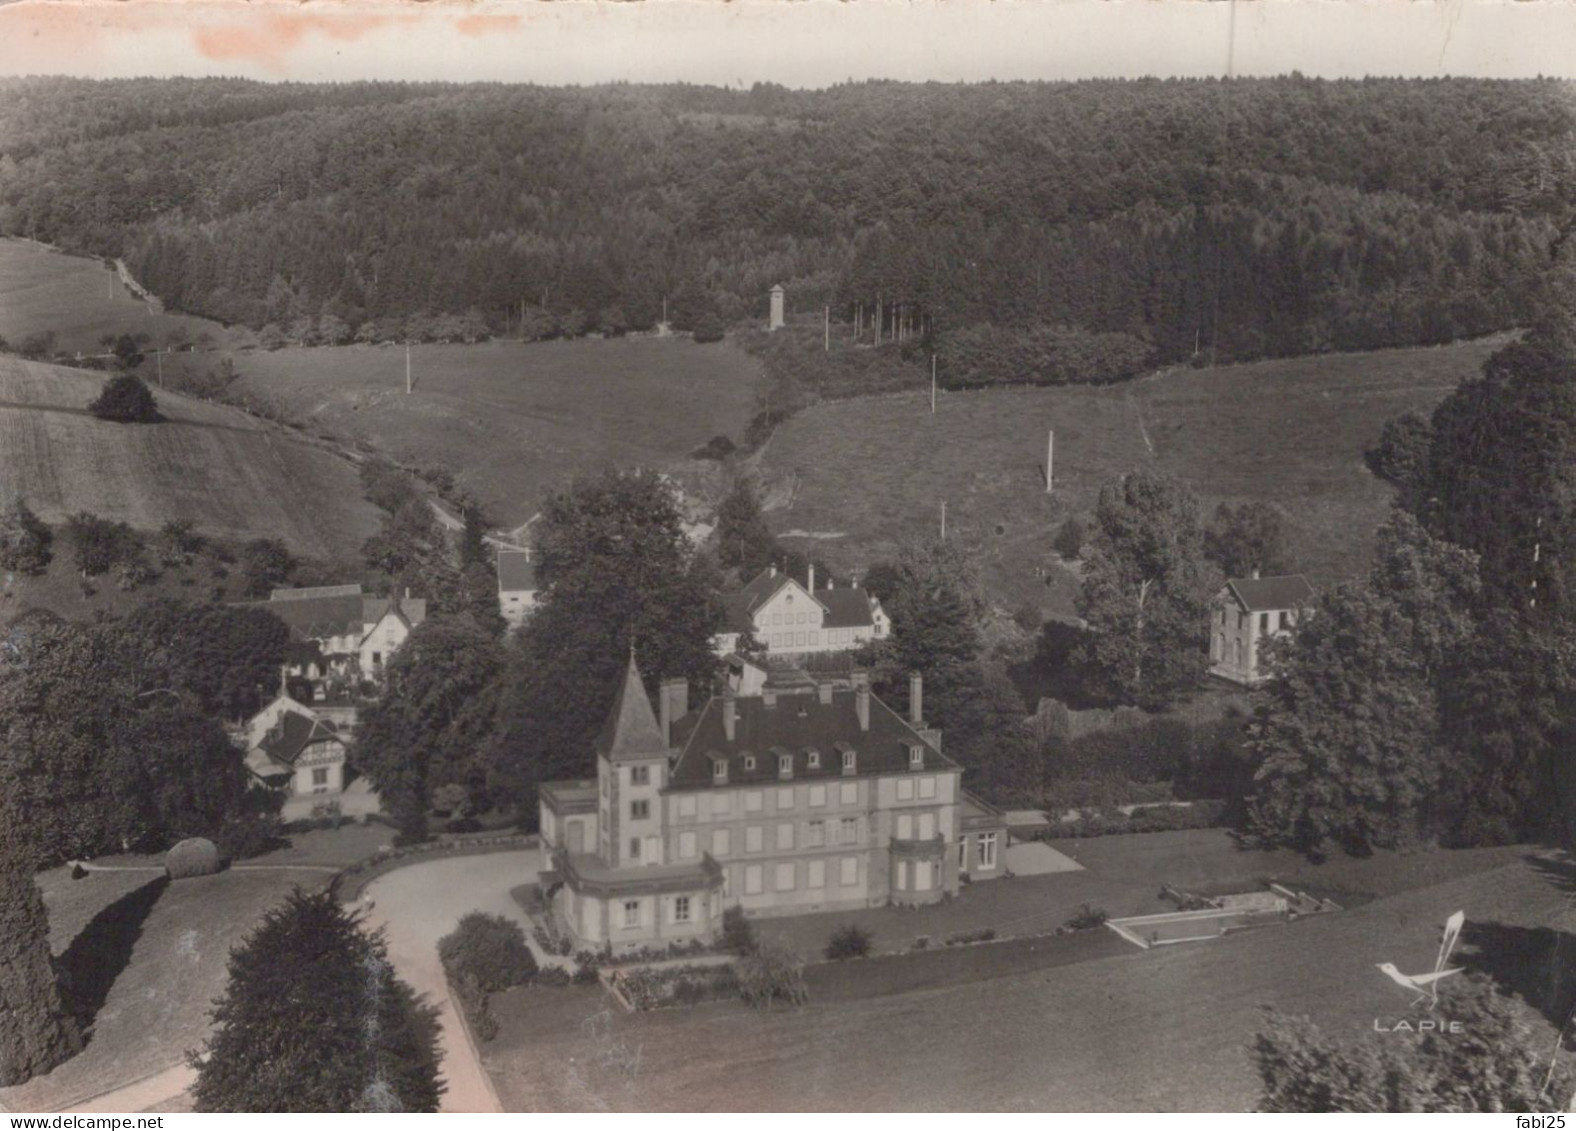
(195, 856)
(552, 976)
(769, 976)
(738, 934)
(488, 948)
(848, 942)
(35, 346)
(1069, 539)
(587, 963)
(708, 328)
(265, 564)
(477, 1006)
(126, 400)
(24, 540)
(98, 544)
(717, 448)
(245, 837)
(1087, 918)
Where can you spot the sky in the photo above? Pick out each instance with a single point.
(794, 42)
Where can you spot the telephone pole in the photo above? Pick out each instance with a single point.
(932, 384)
(943, 520)
(827, 331)
(1050, 454)
(407, 369)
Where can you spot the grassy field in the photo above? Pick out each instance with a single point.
(160, 953)
(235, 476)
(513, 421)
(1159, 1030)
(79, 300)
(857, 477)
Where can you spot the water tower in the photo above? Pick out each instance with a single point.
(777, 321)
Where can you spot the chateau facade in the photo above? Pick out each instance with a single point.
(780, 804)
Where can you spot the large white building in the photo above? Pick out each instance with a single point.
(790, 619)
(1247, 613)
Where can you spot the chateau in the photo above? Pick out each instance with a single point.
(781, 804)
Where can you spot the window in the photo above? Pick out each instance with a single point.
(815, 637)
(784, 836)
(721, 804)
(639, 810)
(749, 761)
(849, 757)
(752, 801)
(916, 756)
(640, 775)
(783, 881)
(850, 794)
(785, 766)
(848, 830)
(987, 851)
(815, 834)
(905, 789)
(799, 638)
(320, 776)
(719, 770)
(927, 788)
(963, 852)
(815, 874)
(1280, 621)
(815, 764)
(1264, 622)
(1242, 621)
(686, 846)
(753, 880)
(817, 794)
(377, 659)
(634, 848)
(848, 871)
(681, 909)
(632, 913)
(927, 826)
(753, 841)
(686, 806)
(784, 799)
(721, 842)
(905, 827)
(777, 618)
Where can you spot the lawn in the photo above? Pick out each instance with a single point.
(235, 476)
(79, 300)
(1160, 1030)
(146, 958)
(513, 421)
(855, 478)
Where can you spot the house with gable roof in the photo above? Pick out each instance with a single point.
(516, 586)
(337, 630)
(1245, 614)
(291, 748)
(817, 800)
(790, 619)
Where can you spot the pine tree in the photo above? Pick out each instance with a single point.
(744, 542)
(24, 539)
(315, 1019)
(36, 1033)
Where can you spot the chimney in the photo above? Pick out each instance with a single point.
(769, 697)
(1255, 573)
(730, 714)
(862, 698)
(916, 699)
(672, 705)
(811, 586)
(771, 571)
(823, 692)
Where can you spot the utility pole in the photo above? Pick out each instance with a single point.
(827, 331)
(1050, 453)
(932, 384)
(407, 369)
(943, 520)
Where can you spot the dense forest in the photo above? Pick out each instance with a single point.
(1132, 222)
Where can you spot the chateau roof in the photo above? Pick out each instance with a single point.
(631, 730)
(1256, 594)
(795, 725)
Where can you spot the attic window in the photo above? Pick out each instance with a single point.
(785, 765)
(719, 770)
(849, 760)
(815, 759)
(916, 756)
(749, 761)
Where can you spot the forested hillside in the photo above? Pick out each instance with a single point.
(1129, 223)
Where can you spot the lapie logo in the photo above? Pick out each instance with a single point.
(1425, 987)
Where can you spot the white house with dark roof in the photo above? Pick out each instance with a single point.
(790, 619)
(291, 748)
(1246, 613)
(516, 585)
(338, 628)
(781, 804)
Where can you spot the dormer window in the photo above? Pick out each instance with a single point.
(719, 770)
(814, 759)
(916, 756)
(749, 761)
(850, 760)
(785, 765)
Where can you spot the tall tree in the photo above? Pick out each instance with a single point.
(1346, 741)
(1145, 592)
(36, 1031)
(24, 539)
(616, 570)
(315, 1019)
(227, 656)
(744, 542)
(436, 710)
(1246, 540)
